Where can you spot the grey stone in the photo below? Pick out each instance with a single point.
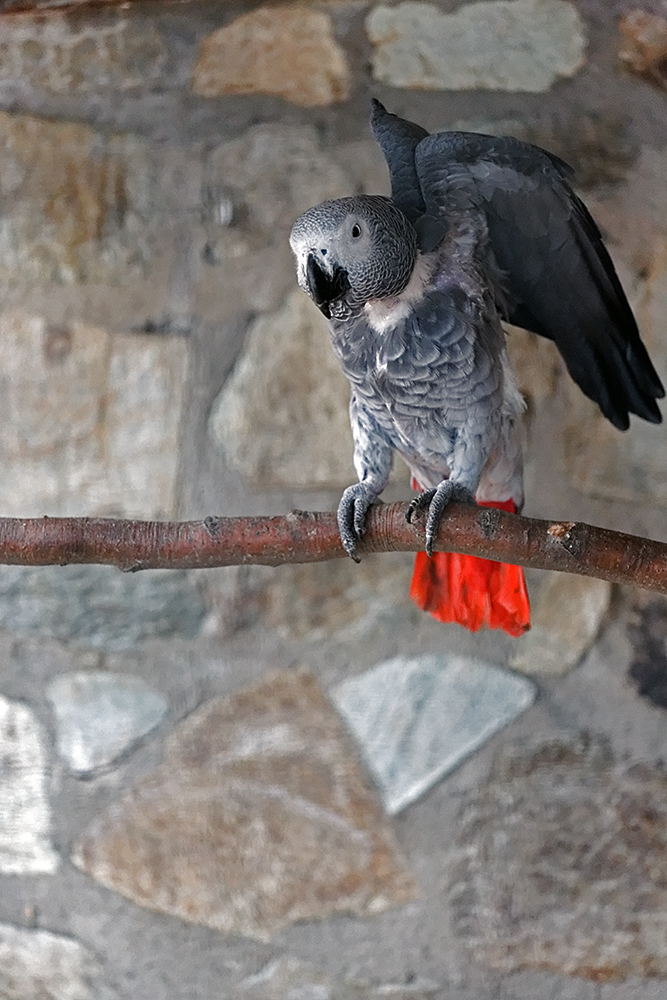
(416, 719)
(565, 622)
(254, 187)
(98, 605)
(561, 863)
(520, 45)
(101, 715)
(287, 978)
(25, 816)
(264, 819)
(339, 598)
(38, 965)
(64, 55)
(77, 204)
(90, 421)
(282, 416)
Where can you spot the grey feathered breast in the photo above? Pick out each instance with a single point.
(435, 362)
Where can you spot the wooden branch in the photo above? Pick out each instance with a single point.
(303, 536)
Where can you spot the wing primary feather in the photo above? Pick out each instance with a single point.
(398, 139)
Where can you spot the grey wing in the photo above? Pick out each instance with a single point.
(398, 140)
(559, 278)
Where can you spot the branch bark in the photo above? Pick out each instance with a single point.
(303, 536)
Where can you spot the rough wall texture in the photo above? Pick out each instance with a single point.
(152, 160)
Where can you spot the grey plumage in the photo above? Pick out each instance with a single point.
(376, 240)
(558, 277)
(478, 229)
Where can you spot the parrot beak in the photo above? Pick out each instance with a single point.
(324, 287)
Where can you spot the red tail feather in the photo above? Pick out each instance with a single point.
(471, 591)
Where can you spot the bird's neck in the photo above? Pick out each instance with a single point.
(385, 314)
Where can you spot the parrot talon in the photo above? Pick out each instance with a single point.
(351, 516)
(436, 502)
(419, 505)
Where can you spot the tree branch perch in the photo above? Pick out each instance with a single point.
(303, 536)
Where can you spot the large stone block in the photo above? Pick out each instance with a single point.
(74, 55)
(254, 187)
(565, 622)
(282, 416)
(289, 51)
(258, 817)
(522, 45)
(319, 600)
(562, 864)
(76, 204)
(99, 606)
(89, 421)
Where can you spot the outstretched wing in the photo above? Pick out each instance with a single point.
(559, 277)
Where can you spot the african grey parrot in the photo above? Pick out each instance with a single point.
(478, 230)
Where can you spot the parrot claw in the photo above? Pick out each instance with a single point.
(419, 504)
(436, 502)
(351, 515)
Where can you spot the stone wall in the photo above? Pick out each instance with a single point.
(198, 770)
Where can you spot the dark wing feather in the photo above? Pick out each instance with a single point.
(559, 278)
(398, 140)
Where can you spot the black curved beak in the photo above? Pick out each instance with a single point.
(325, 288)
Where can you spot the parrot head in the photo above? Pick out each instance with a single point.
(353, 250)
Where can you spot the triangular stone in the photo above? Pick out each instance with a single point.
(101, 715)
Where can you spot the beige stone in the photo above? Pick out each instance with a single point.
(258, 817)
(630, 466)
(288, 51)
(89, 421)
(536, 363)
(73, 55)
(519, 45)
(644, 45)
(76, 203)
(565, 621)
(282, 416)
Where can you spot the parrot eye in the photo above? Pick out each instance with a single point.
(356, 231)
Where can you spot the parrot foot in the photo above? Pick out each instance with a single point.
(436, 502)
(351, 515)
